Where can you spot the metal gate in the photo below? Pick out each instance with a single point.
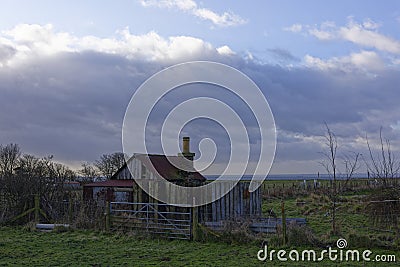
(153, 218)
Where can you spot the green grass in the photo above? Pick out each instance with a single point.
(19, 247)
(351, 218)
(87, 248)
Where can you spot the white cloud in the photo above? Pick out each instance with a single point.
(6, 53)
(38, 38)
(369, 59)
(396, 61)
(325, 31)
(224, 19)
(364, 34)
(181, 4)
(369, 24)
(25, 41)
(365, 61)
(225, 50)
(361, 35)
(321, 34)
(294, 28)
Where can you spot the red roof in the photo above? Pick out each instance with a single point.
(161, 164)
(112, 183)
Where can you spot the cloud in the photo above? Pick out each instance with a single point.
(39, 39)
(225, 50)
(376, 49)
(6, 53)
(283, 54)
(226, 19)
(223, 20)
(27, 41)
(363, 34)
(294, 28)
(370, 24)
(181, 4)
(365, 60)
(66, 95)
(321, 34)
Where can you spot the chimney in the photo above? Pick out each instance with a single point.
(186, 148)
(188, 163)
(185, 145)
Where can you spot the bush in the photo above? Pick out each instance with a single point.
(233, 232)
(300, 235)
(361, 241)
(384, 207)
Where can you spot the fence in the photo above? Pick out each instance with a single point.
(363, 222)
(152, 218)
(290, 188)
(356, 214)
(83, 214)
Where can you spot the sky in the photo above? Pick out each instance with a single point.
(68, 70)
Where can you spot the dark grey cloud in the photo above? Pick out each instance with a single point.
(283, 55)
(72, 104)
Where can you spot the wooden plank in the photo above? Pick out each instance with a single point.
(236, 200)
(241, 204)
(231, 204)
(251, 198)
(222, 199)
(213, 204)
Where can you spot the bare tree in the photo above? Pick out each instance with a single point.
(352, 164)
(31, 176)
(88, 171)
(108, 164)
(9, 158)
(330, 166)
(383, 165)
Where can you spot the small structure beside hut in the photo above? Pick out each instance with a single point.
(123, 187)
(111, 190)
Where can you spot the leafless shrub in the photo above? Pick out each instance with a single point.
(384, 207)
(384, 165)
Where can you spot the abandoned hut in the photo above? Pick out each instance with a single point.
(123, 187)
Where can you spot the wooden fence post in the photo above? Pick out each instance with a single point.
(107, 216)
(195, 221)
(70, 211)
(283, 223)
(37, 208)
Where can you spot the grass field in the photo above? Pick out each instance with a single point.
(351, 217)
(20, 247)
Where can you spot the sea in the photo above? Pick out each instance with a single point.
(289, 177)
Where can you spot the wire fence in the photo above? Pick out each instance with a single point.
(366, 217)
(287, 188)
(363, 222)
(82, 214)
